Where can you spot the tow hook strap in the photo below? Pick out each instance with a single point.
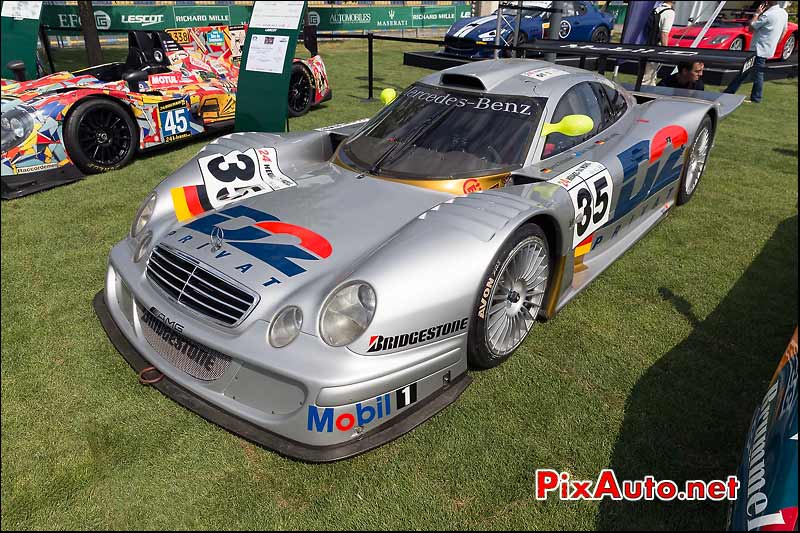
(156, 376)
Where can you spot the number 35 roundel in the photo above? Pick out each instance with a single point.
(591, 189)
(237, 174)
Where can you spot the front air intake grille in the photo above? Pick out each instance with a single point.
(456, 44)
(193, 358)
(198, 287)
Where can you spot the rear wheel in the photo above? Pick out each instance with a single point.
(100, 135)
(300, 90)
(737, 44)
(601, 35)
(696, 159)
(510, 297)
(788, 47)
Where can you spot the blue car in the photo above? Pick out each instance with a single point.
(582, 21)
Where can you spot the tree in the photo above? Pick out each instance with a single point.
(89, 29)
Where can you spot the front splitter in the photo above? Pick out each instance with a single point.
(396, 427)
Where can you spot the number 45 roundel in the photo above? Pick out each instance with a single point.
(591, 189)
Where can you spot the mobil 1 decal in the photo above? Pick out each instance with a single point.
(406, 396)
(238, 174)
(359, 416)
(591, 189)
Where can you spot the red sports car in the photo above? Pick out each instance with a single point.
(731, 34)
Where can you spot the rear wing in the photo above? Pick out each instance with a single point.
(741, 61)
(725, 103)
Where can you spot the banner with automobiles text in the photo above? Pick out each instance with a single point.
(65, 18)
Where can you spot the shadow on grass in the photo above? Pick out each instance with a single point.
(687, 416)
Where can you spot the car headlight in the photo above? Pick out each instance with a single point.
(347, 314)
(141, 246)
(15, 126)
(286, 326)
(719, 39)
(143, 215)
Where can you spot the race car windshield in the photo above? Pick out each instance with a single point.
(430, 133)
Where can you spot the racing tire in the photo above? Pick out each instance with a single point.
(510, 297)
(601, 35)
(301, 90)
(100, 135)
(737, 44)
(788, 47)
(696, 158)
(521, 40)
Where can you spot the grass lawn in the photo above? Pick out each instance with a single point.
(655, 369)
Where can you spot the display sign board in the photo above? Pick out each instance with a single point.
(266, 66)
(159, 17)
(19, 25)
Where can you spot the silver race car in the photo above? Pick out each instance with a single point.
(321, 293)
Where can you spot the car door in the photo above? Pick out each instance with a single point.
(590, 184)
(575, 25)
(532, 21)
(594, 182)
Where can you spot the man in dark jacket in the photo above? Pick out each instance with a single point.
(687, 77)
(657, 34)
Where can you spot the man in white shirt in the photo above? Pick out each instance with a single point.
(661, 20)
(769, 24)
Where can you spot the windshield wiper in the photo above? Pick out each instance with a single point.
(397, 150)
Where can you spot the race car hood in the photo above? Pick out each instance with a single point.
(311, 235)
(473, 28)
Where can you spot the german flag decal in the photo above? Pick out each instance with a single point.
(584, 246)
(190, 201)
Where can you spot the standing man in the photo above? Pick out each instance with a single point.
(768, 24)
(657, 30)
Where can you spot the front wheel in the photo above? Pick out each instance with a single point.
(100, 135)
(510, 297)
(300, 90)
(601, 35)
(696, 159)
(737, 44)
(521, 40)
(788, 47)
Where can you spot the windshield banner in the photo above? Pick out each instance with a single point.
(480, 102)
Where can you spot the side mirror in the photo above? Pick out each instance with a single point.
(133, 79)
(18, 68)
(388, 95)
(571, 126)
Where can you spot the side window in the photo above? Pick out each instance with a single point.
(580, 8)
(617, 101)
(579, 100)
(571, 9)
(605, 106)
